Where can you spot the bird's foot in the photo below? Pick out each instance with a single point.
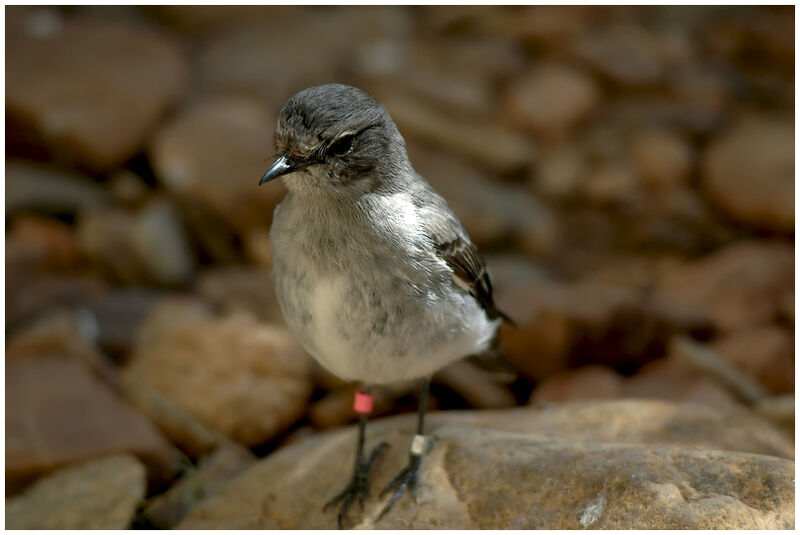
(358, 488)
(408, 478)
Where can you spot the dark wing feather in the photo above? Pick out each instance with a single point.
(452, 244)
(462, 256)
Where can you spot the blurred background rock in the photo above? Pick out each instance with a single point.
(628, 173)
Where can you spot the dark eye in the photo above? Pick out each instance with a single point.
(341, 146)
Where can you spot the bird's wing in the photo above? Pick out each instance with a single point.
(453, 245)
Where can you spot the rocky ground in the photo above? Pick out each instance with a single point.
(627, 172)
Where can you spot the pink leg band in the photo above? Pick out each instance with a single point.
(362, 403)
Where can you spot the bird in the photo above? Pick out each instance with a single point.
(375, 274)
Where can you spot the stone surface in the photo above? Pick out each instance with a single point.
(65, 414)
(85, 90)
(166, 510)
(32, 186)
(738, 286)
(241, 289)
(601, 465)
(551, 100)
(662, 159)
(240, 378)
(486, 143)
(749, 173)
(100, 494)
(561, 325)
(587, 382)
(765, 353)
(145, 245)
(211, 156)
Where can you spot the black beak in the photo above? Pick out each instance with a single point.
(282, 166)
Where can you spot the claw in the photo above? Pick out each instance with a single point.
(407, 479)
(358, 488)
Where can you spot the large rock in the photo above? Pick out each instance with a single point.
(86, 90)
(749, 172)
(211, 156)
(61, 413)
(551, 100)
(241, 289)
(741, 285)
(32, 186)
(101, 494)
(622, 465)
(765, 353)
(242, 379)
(561, 325)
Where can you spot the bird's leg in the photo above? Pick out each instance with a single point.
(359, 484)
(408, 478)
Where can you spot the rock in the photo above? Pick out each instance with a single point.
(212, 155)
(148, 245)
(749, 173)
(492, 146)
(475, 385)
(588, 382)
(170, 315)
(260, 58)
(241, 289)
(239, 378)
(84, 90)
(560, 171)
(625, 54)
(64, 414)
(738, 286)
(100, 494)
(778, 410)
(42, 243)
(551, 100)
(32, 186)
(764, 353)
(549, 25)
(512, 270)
(562, 325)
(607, 465)
(166, 510)
(493, 212)
(671, 379)
(118, 315)
(662, 159)
(161, 242)
(460, 94)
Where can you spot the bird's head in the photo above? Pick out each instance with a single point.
(334, 139)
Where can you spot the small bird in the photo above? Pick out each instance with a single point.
(375, 274)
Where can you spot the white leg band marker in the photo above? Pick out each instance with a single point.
(419, 445)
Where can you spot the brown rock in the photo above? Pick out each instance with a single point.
(168, 509)
(100, 494)
(211, 157)
(562, 325)
(625, 54)
(765, 353)
(627, 469)
(588, 382)
(749, 172)
(486, 143)
(560, 171)
(85, 90)
(241, 289)
(148, 245)
(60, 413)
(661, 158)
(48, 243)
(551, 100)
(738, 286)
(242, 379)
(31, 186)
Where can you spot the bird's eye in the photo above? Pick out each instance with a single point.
(341, 146)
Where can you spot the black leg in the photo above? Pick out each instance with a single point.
(359, 484)
(408, 478)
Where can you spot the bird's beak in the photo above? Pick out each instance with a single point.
(282, 166)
